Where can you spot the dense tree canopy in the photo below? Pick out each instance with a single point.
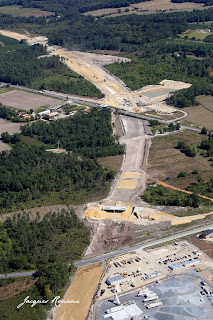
(29, 172)
(20, 65)
(46, 245)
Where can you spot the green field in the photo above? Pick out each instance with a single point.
(18, 11)
(8, 308)
(5, 89)
(200, 25)
(196, 34)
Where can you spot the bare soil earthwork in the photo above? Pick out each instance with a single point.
(109, 235)
(150, 7)
(166, 161)
(82, 288)
(16, 287)
(204, 245)
(19, 11)
(25, 100)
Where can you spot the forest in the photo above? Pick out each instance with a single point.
(79, 5)
(159, 195)
(87, 134)
(145, 71)
(29, 173)
(206, 2)
(187, 97)
(20, 65)
(46, 245)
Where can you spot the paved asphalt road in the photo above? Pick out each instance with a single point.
(78, 100)
(17, 274)
(143, 246)
(118, 252)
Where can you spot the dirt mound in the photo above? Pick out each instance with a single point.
(108, 235)
(15, 288)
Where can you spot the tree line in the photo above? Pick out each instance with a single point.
(22, 66)
(206, 2)
(28, 172)
(187, 97)
(46, 245)
(144, 71)
(87, 134)
(159, 195)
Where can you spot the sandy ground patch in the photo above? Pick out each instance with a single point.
(126, 184)
(82, 288)
(96, 212)
(183, 220)
(102, 59)
(182, 190)
(4, 146)
(57, 150)
(18, 36)
(130, 174)
(89, 65)
(25, 100)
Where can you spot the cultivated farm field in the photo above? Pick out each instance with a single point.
(148, 7)
(199, 116)
(167, 162)
(11, 128)
(206, 101)
(19, 11)
(25, 100)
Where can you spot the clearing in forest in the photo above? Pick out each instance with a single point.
(19, 11)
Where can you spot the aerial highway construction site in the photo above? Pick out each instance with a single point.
(168, 282)
(116, 93)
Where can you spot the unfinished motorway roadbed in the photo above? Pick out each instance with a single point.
(131, 181)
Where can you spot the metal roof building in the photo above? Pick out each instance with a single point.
(175, 266)
(191, 263)
(207, 234)
(115, 279)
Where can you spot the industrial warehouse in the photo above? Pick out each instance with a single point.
(158, 300)
(157, 284)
